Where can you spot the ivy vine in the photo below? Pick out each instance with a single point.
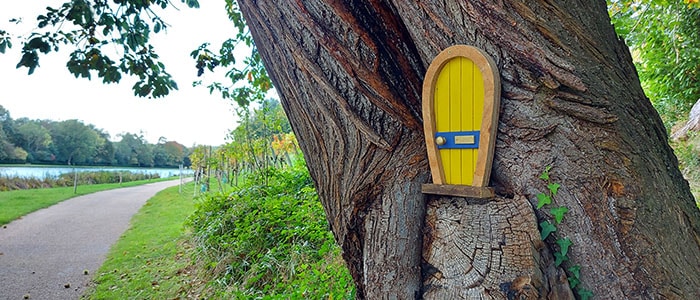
(563, 243)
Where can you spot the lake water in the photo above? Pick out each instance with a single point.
(42, 172)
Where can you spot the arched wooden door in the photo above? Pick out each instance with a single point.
(461, 96)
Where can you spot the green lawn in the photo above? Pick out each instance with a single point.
(151, 259)
(15, 204)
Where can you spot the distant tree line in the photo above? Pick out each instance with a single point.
(72, 142)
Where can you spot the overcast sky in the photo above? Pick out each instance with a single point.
(188, 116)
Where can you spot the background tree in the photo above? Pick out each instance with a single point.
(35, 139)
(104, 152)
(4, 114)
(257, 129)
(133, 150)
(666, 43)
(168, 153)
(8, 125)
(176, 152)
(6, 147)
(268, 120)
(20, 154)
(76, 142)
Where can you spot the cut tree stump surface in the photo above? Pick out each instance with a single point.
(486, 249)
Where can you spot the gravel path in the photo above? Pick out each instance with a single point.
(46, 253)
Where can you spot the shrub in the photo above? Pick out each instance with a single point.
(273, 240)
(9, 183)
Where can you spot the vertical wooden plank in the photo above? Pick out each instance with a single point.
(460, 110)
(470, 115)
(456, 88)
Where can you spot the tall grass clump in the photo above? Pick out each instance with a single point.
(269, 241)
(11, 183)
(100, 177)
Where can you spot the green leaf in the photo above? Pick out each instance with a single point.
(29, 59)
(40, 44)
(4, 44)
(564, 245)
(106, 20)
(558, 213)
(559, 258)
(575, 271)
(546, 229)
(573, 282)
(545, 175)
(584, 294)
(543, 200)
(553, 187)
(156, 27)
(192, 3)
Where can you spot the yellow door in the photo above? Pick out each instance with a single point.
(461, 96)
(459, 109)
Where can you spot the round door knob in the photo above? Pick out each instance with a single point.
(441, 140)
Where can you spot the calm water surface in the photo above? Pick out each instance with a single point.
(53, 171)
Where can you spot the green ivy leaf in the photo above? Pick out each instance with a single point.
(545, 175)
(547, 228)
(573, 282)
(543, 200)
(553, 187)
(564, 245)
(558, 213)
(575, 271)
(584, 294)
(559, 258)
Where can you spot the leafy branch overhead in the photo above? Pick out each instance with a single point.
(249, 81)
(90, 27)
(112, 39)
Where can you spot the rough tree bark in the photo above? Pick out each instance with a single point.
(349, 74)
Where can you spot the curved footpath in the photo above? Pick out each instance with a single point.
(46, 253)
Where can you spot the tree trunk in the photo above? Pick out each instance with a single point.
(350, 76)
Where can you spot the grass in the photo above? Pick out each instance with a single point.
(15, 204)
(291, 253)
(151, 260)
